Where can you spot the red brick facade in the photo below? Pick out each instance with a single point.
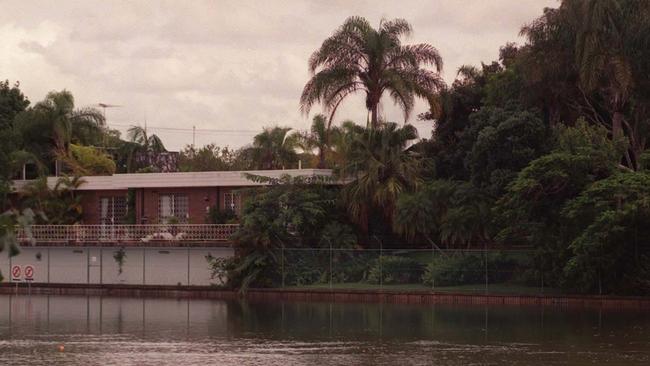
(90, 204)
(200, 200)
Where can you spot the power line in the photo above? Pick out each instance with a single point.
(193, 131)
(186, 129)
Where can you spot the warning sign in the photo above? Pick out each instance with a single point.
(16, 273)
(29, 273)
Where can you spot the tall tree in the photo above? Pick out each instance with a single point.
(12, 102)
(592, 56)
(69, 124)
(380, 168)
(274, 148)
(58, 205)
(358, 57)
(148, 142)
(207, 158)
(52, 124)
(455, 211)
(319, 138)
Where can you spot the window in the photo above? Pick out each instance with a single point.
(112, 210)
(232, 201)
(173, 208)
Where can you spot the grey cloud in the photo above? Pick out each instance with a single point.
(223, 64)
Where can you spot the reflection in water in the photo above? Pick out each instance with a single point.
(135, 331)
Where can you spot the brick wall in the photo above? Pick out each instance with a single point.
(199, 201)
(90, 204)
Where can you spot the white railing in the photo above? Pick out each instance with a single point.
(128, 234)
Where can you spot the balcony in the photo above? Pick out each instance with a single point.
(129, 235)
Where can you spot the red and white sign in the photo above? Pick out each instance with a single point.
(29, 273)
(16, 273)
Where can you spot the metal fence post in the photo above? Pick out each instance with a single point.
(88, 265)
(486, 268)
(433, 258)
(331, 263)
(381, 266)
(282, 264)
(600, 284)
(188, 266)
(541, 275)
(101, 265)
(144, 266)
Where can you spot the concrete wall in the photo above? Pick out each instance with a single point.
(93, 265)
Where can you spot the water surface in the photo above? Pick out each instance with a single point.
(135, 331)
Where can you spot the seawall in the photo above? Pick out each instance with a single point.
(318, 295)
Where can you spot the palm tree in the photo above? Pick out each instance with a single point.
(380, 169)
(69, 124)
(274, 148)
(56, 205)
(140, 148)
(453, 211)
(342, 141)
(149, 143)
(467, 218)
(52, 124)
(358, 57)
(318, 138)
(415, 215)
(611, 52)
(601, 55)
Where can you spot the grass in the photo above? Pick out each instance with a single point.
(500, 288)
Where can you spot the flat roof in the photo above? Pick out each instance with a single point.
(181, 179)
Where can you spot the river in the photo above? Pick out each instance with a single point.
(69, 330)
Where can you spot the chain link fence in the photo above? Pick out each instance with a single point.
(464, 271)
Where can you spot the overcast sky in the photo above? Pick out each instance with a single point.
(223, 65)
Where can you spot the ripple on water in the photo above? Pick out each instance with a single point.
(129, 331)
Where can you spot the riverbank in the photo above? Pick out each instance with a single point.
(326, 295)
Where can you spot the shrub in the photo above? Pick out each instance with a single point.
(303, 268)
(217, 216)
(349, 267)
(395, 270)
(88, 160)
(465, 269)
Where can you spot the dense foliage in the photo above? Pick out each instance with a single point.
(289, 213)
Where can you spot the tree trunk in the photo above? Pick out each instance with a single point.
(617, 125)
(321, 159)
(374, 120)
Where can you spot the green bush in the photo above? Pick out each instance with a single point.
(91, 161)
(350, 267)
(395, 270)
(217, 216)
(304, 268)
(465, 269)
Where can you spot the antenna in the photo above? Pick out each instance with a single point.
(103, 106)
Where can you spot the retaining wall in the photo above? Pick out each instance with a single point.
(96, 265)
(357, 296)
